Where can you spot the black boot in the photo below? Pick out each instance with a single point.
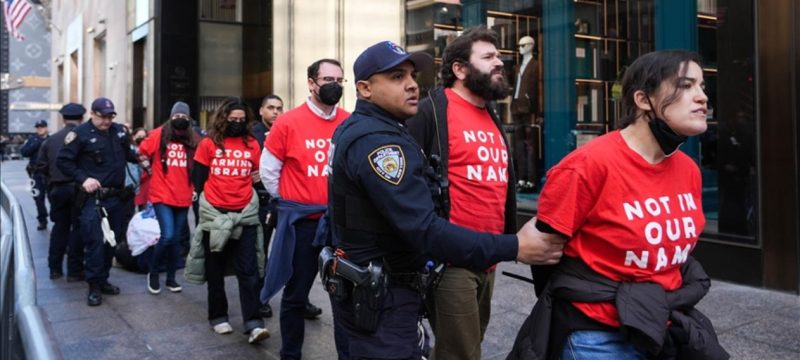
(265, 311)
(311, 311)
(108, 289)
(94, 298)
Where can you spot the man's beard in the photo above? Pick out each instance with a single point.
(482, 84)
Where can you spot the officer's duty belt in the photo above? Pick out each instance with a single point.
(105, 193)
(410, 280)
(60, 183)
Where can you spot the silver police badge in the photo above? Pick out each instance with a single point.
(389, 163)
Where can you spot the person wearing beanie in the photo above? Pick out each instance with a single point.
(169, 151)
(64, 236)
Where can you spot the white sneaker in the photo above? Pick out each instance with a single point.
(223, 328)
(257, 335)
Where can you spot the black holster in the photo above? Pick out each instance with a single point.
(81, 197)
(368, 306)
(368, 283)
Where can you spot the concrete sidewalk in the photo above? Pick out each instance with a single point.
(751, 323)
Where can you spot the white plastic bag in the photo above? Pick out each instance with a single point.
(143, 231)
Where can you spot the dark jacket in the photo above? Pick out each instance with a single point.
(46, 164)
(260, 132)
(433, 140)
(279, 267)
(527, 101)
(379, 213)
(644, 309)
(31, 148)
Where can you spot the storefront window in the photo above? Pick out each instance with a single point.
(609, 35)
(726, 41)
(429, 28)
(235, 49)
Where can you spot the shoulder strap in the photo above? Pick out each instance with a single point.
(440, 123)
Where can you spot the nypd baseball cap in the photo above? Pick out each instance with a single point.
(40, 123)
(103, 106)
(386, 55)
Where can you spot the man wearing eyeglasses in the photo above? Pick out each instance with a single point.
(94, 154)
(294, 171)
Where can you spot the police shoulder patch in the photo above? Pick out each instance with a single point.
(389, 163)
(71, 136)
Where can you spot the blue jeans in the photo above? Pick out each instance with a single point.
(599, 345)
(173, 222)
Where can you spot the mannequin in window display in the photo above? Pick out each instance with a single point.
(524, 110)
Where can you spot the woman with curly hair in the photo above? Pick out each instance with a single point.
(229, 232)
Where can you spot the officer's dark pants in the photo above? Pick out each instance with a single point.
(245, 264)
(397, 336)
(98, 253)
(65, 235)
(41, 209)
(295, 294)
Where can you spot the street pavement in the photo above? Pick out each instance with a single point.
(752, 323)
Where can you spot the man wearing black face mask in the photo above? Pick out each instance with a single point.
(294, 170)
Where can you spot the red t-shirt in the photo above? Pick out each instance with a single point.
(300, 139)
(173, 187)
(477, 167)
(629, 220)
(230, 180)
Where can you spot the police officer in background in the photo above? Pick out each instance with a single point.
(384, 219)
(61, 189)
(31, 150)
(95, 154)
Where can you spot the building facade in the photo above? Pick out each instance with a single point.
(26, 74)
(748, 157)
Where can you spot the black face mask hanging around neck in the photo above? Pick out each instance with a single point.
(667, 139)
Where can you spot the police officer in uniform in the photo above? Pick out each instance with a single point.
(61, 189)
(384, 220)
(94, 154)
(31, 150)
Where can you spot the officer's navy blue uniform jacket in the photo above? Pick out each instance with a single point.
(31, 148)
(279, 267)
(644, 309)
(96, 154)
(48, 154)
(399, 197)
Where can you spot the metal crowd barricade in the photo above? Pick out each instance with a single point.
(24, 332)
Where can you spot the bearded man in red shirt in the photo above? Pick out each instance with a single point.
(458, 125)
